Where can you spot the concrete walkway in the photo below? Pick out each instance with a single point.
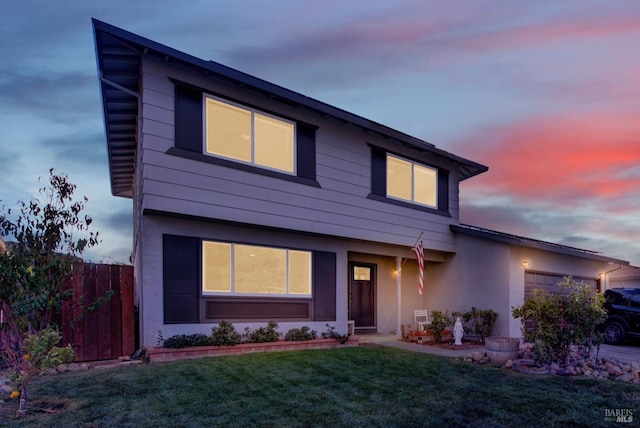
(625, 354)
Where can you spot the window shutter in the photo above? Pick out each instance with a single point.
(324, 286)
(378, 172)
(181, 279)
(306, 151)
(188, 121)
(443, 190)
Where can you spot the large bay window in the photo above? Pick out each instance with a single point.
(411, 181)
(249, 270)
(247, 135)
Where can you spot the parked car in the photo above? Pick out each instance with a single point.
(623, 310)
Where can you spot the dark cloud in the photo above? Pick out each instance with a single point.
(122, 221)
(86, 148)
(56, 97)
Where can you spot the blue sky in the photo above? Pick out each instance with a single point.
(547, 94)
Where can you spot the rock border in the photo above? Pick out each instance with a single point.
(589, 367)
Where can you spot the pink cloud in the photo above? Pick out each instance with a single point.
(569, 157)
(550, 32)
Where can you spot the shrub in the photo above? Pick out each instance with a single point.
(300, 334)
(555, 322)
(225, 335)
(439, 322)
(187, 340)
(482, 321)
(262, 334)
(331, 333)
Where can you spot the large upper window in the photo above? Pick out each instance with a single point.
(411, 181)
(252, 270)
(247, 135)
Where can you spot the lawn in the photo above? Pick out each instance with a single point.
(366, 386)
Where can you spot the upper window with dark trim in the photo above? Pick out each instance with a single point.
(406, 182)
(220, 131)
(247, 135)
(411, 181)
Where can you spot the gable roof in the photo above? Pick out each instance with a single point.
(119, 54)
(523, 241)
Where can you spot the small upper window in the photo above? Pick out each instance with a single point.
(247, 135)
(411, 181)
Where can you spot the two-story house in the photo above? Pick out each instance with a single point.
(253, 203)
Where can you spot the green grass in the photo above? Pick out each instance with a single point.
(351, 387)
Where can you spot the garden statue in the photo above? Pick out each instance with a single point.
(457, 332)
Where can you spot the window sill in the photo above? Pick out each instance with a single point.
(173, 151)
(379, 198)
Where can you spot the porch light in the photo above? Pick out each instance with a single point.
(525, 264)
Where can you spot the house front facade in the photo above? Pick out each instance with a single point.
(253, 203)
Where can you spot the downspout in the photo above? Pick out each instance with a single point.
(399, 294)
(606, 275)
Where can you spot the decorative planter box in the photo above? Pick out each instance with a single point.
(171, 354)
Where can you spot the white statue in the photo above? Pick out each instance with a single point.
(457, 332)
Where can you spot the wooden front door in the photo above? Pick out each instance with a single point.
(362, 308)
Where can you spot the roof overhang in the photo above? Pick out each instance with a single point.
(119, 54)
(532, 243)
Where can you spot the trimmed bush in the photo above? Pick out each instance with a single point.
(225, 335)
(187, 340)
(262, 334)
(300, 334)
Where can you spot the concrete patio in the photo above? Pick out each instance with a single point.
(625, 353)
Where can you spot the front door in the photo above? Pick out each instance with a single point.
(362, 294)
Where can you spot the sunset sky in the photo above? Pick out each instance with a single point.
(545, 93)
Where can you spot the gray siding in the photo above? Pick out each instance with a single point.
(343, 158)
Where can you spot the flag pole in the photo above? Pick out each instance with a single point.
(404, 260)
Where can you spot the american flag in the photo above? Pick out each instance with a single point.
(420, 256)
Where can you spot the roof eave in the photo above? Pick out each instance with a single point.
(532, 243)
(122, 182)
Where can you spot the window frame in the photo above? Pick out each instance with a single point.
(379, 184)
(233, 293)
(413, 178)
(253, 111)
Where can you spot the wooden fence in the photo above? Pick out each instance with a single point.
(107, 332)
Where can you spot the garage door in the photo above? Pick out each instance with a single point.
(548, 282)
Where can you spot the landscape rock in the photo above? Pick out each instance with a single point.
(626, 377)
(614, 370)
(580, 365)
(477, 356)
